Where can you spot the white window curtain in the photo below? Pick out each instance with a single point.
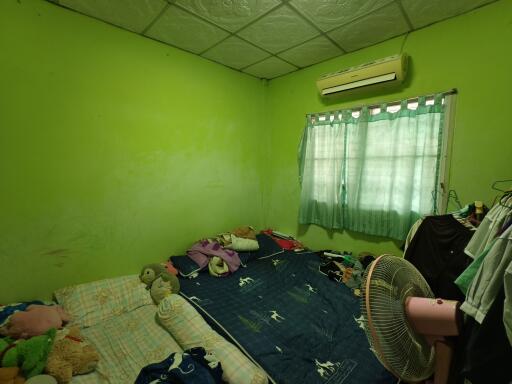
(375, 170)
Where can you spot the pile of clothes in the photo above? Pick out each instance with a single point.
(223, 254)
(194, 365)
(344, 268)
(219, 254)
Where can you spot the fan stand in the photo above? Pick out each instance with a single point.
(434, 319)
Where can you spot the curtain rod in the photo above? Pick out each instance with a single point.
(452, 91)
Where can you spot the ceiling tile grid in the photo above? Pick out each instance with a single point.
(270, 38)
(133, 15)
(387, 22)
(235, 53)
(184, 30)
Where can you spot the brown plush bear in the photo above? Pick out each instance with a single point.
(11, 375)
(70, 355)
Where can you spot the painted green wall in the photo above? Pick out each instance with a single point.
(470, 52)
(115, 150)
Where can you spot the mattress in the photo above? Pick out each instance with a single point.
(290, 318)
(126, 343)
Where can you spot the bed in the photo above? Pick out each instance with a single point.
(117, 316)
(285, 321)
(289, 318)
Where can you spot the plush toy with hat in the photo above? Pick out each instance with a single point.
(71, 355)
(160, 282)
(35, 321)
(30, 355)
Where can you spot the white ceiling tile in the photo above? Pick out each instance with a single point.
(422, 13)
(134, 15)
(186, 31)
(329, 14)
(378, 26)
(270, 68)
(311, 52)
(235, 53)
(231, 15)
(279, 30)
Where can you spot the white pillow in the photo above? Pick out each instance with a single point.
(190, 330)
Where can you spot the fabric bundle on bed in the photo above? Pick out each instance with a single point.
(117, 316)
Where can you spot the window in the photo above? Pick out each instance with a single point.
(375, 170)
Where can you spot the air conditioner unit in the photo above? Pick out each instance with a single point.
(389, 70)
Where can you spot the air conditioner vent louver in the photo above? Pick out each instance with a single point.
(389, 70)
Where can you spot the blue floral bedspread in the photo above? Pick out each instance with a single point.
(297, 324)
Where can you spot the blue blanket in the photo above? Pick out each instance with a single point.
(297, 324)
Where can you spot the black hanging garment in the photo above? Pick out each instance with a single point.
(437, 251)
(484, 354)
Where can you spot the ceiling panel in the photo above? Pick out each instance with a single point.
(279, 30)
(330, 14)
(185, 30)
(422, 13)
(270, 68)
(134, 15)
(385, 23)
(236, 53)
(231, 15)
(311, 52)
(268, 38)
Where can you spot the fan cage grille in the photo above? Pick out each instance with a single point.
(387, 283)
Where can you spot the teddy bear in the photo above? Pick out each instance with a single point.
(160, 282)
(11, 375)
(70, 355)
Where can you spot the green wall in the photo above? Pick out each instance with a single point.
(470, 52)
(115, 150)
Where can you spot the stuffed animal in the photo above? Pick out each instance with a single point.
(71, 355)
(151, 272)
(160, 282)
(11, 376)
(163, 286)
(35, 321)
(30, 355)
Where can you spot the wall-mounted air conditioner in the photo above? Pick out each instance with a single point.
(389, 70)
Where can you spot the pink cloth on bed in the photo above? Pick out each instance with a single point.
(202, 251)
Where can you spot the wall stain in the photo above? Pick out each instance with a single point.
(59, 264)
(56, 252)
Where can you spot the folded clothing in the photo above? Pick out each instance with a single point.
(202, 251)
(194, 366)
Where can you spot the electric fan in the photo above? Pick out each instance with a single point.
(404, 323)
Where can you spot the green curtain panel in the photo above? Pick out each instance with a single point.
(375, 173)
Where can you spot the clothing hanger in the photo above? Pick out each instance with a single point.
(506, 193)
(494, 185)
(452, 195)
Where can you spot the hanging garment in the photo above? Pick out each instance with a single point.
(489, 278)
(507, 310)
(489, 228)
(437, 251)
(483, 354)
(412, 232)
